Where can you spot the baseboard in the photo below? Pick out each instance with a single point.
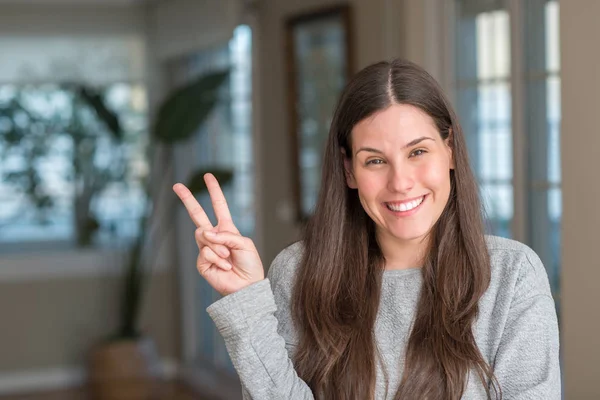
(212, 384)
(58, 378)
(56, 263)
(41, 380)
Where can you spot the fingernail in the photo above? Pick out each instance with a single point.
(210, 234)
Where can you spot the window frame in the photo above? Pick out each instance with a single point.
(62, 258)
(518, 83)
(206, 378)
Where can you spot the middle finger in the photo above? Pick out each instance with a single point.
(219, 204)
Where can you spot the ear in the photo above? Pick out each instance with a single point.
(350, 181)
(449, 145)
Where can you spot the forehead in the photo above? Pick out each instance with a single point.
(397, 123)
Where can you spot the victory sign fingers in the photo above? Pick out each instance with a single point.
(199, 218)
(242, 265)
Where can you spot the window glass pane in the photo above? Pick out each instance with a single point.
(320, 59)
(65, 177)
(545, 235)
(493, 45)
(484, 97)
(495, 144)
(484, 106)
(498, 202)
(224, 142)
(553, 266)
(97, 59)
(552, 34)
(543, 134)
(553, 118)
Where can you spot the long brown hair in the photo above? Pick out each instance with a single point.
(338, 284)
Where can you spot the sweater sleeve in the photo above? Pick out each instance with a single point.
(246, 320)
(527, 361)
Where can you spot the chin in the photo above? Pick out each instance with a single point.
(411, 238)
(412, 235)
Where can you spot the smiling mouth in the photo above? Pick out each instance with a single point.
(405, 206)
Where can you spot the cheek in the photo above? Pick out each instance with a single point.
(369, 184)
(435, 176)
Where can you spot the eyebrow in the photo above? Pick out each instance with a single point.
(409, 144)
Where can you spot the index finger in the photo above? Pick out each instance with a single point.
(192, 206)
(219, 203)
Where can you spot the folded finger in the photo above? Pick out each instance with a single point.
(231, 240)
(219, 249)
(209, 256)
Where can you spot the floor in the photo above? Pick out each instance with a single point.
(172, 391)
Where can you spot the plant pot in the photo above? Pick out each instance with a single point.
(125, 370)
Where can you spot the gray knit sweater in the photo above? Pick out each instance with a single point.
(516, 331)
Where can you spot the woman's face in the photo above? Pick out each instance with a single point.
(401, 168)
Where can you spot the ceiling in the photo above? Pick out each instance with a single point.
(74, 2)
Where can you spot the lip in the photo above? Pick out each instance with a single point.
(405, 200)
(409, 212)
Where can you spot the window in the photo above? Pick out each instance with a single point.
(508, 97)
(224, 142)
(58, 162)
(483, 90)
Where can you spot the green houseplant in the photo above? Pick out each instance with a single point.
(178, 119)
(126, 353)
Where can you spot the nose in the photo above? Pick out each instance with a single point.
(400, 179)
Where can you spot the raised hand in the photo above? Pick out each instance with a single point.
(227, 260)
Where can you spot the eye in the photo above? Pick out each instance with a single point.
(374, 161)
(418, 152)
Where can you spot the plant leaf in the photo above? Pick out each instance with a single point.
(196, 182)
(184, 111)
(96, 101)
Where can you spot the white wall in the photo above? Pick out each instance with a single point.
(185, 26)
(56, 305)
(47, 20)
(580, 148)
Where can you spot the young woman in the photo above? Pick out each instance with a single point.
(394, 292)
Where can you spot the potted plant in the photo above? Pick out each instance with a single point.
(126, 364)
(29, 135)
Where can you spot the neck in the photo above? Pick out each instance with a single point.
(402, 254)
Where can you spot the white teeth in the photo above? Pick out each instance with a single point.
(406, 206)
